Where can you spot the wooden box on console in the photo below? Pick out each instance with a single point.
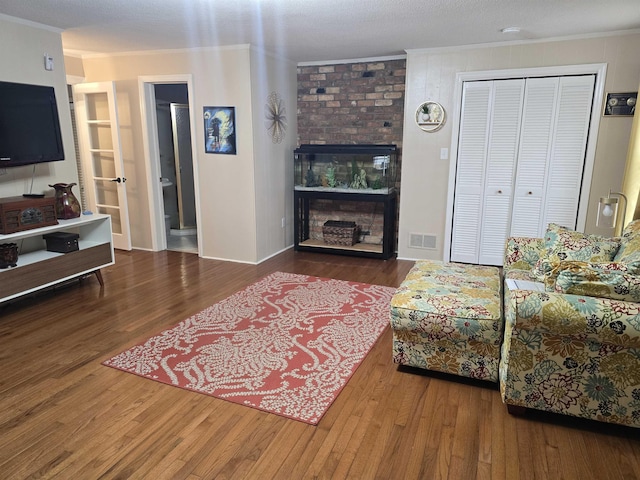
(20, 213)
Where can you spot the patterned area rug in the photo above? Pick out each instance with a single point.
(286, 344)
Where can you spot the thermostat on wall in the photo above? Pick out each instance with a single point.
(48, 62)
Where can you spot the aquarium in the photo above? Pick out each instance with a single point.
(346, 168)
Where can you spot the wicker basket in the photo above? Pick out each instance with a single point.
(340, 233)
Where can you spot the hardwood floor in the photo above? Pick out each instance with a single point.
(64, 415)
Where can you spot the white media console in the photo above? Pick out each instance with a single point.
(39, 268)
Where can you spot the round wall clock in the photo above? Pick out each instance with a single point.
(275, 113)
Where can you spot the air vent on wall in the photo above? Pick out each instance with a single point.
(421, 240)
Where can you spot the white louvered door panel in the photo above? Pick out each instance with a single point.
(472, 151)
(569, 145)
(538, 120)
(502, 148)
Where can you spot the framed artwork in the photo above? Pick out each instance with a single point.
(220, 130)
(618, 104)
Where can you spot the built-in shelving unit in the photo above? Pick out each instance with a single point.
(39, 268)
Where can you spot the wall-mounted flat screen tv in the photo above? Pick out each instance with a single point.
(29, 125)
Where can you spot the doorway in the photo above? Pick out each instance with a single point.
(176, 167)
(167, 116)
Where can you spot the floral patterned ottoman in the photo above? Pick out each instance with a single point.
(447, 317)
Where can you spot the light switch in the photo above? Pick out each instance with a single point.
(48, 62)
(444, 154)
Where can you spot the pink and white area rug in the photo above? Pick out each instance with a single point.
(286, 344)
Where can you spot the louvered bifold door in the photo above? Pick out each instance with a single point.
(472, 154)
(487, 149)
(555, 125)
(502, 150)
(568, 150)
(538, 120)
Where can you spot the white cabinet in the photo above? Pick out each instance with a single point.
(39, 268)
(521, 154)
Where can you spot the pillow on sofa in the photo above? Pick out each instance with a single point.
(575, 266)
(629, 250)
(592, 282)
(562, 244)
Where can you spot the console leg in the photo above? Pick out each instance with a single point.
(99, 277)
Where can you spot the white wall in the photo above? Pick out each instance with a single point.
(632, 172)
(273, 161)
(22, 59)
(431, 75)
(232, 187)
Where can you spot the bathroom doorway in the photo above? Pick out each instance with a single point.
(176, 167)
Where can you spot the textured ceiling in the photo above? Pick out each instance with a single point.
(317, 30)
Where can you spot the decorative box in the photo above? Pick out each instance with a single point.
(20, 213)
(340, 233)
(61, 242)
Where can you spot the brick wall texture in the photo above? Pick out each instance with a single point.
(351, 103)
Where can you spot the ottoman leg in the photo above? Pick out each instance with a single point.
(516, 410)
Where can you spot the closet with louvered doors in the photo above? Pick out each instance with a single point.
(521, 154)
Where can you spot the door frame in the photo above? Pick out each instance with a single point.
(600, 71)
(146, 84)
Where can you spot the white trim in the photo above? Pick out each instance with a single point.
(152, 155)
(275, 254)
(353, 60)
(599, 69)
(29, 23)
(75, 79)
(246, 262)
(87, 55)
(458, 48)
(411, 259)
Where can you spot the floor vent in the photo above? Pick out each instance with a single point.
(420, 240)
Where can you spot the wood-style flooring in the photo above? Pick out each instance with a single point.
(63, 415)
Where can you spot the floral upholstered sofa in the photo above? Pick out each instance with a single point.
(572, 336)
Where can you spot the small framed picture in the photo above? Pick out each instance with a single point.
(620, 104)
(220, 130)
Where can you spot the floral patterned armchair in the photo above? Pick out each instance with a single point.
(572, 340)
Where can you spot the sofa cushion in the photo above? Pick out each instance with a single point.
(592, 282)
(562, 244)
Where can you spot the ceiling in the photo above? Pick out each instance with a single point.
(317, 30)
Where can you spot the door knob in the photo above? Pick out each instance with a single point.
(116, 179)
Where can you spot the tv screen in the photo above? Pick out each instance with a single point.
(29, 125)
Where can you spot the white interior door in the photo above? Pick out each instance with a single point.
(502, 150)
(101, 155)
(487, 150)
(568, 153)
(538, 122)
(472, 156)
